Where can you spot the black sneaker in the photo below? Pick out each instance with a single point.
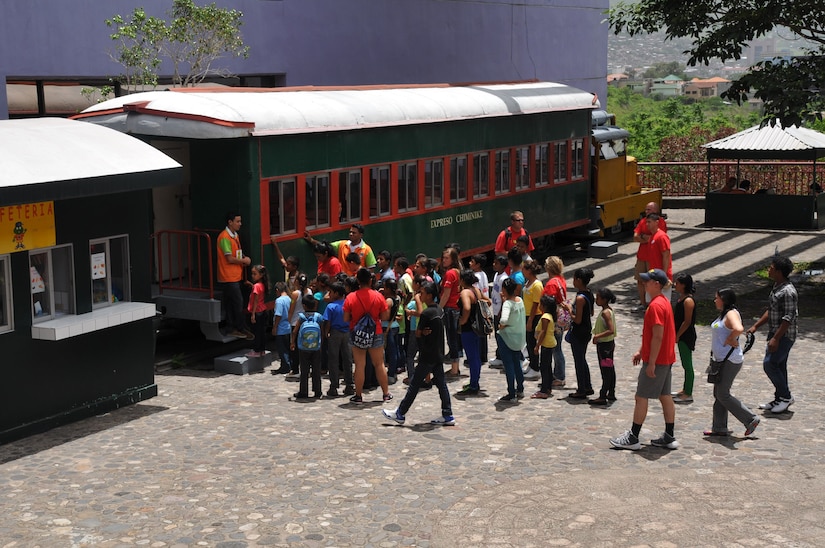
(332, 393)
(356, 400)
(468, 390)
(387, 397)
(665, 440)
(300, 396)
(507, 398)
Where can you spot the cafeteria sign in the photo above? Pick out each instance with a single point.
(27, 226)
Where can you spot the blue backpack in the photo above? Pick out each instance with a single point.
(309, 334)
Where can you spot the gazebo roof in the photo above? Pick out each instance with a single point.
(769, 143)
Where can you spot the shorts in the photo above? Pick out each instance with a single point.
(657, 387)
(377, 342)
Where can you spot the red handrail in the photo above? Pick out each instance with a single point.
(192, 274)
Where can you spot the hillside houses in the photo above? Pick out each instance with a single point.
(672, 86)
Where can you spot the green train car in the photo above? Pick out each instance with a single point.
(419, 166)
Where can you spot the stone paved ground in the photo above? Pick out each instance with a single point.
(230, 461)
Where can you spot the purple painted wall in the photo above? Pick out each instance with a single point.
(337, 42)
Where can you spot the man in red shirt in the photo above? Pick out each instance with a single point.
(659, 253)
(641, 234)
(507, 238)
(656, 355)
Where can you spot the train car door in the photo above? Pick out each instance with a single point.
(172, 206)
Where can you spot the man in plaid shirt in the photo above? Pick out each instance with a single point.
(781, 319)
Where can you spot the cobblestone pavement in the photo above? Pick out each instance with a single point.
(231, 461)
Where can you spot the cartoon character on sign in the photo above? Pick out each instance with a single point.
(19, 232)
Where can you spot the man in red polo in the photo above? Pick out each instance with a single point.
(507, 238)
(641, 235)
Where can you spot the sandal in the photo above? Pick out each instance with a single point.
(539, 396)
(713, 433)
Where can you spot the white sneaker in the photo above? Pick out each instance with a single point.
(444, 421)
(531, 374)
(783, 405)
(768, 406)
(495, 362)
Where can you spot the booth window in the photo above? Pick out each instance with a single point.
(433, 183)
(110, 270)
(282, 213)
(5, 296)
(317, 201)
(52, 282)
(349, 196)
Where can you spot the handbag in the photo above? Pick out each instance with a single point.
(714, 369)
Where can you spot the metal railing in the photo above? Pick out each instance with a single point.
(184, 261)
(691, 178)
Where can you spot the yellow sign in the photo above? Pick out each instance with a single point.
(27, 226)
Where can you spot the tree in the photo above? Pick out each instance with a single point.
(199, 36)
(660, 70)
(194, 39)
(139, 40)
(791, 89)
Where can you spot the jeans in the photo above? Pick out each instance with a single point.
(775, 365)
(417, 380)
(558, 357)
(391, 354)
(725, 402)
(512, 367)
(579, 350)
(451, 331)
(469, 340)
(282, 347)
(412, 350)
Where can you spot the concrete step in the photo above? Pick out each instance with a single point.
(236, 363)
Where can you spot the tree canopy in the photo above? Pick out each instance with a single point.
(193, 40)
(790, 88)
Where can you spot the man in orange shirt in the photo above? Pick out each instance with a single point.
(231, 262)
(355, 244)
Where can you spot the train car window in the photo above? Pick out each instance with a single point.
(52, 283)
(481, 175)
(458, 179)
(407, 187)
(110, 271)
(560, 153)
(433, 183)
(379, 191)
(6, 307)
(349, 196)
(502, 171)
(317, 201)
(282, 212)
(522, 168)
(578, 159)
(542, 167)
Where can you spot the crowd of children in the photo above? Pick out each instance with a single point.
(364, 331)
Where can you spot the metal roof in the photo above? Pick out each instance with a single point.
(44, 159)
(769, 142)
(205, 114)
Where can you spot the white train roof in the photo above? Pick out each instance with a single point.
(221, 113)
